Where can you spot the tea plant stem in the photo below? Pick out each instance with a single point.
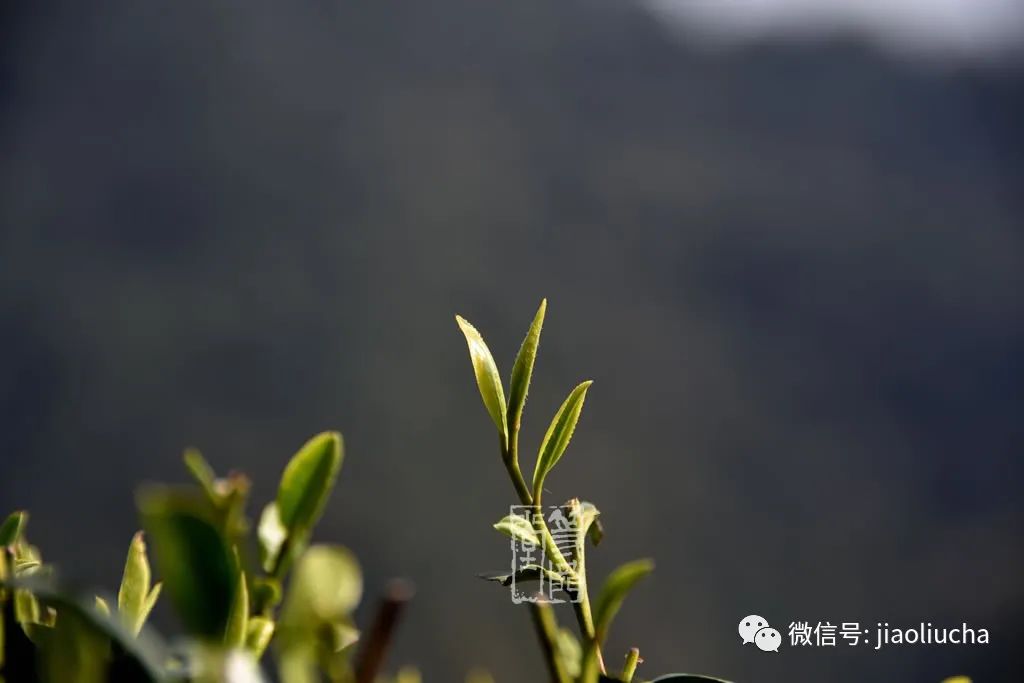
(632, 659)
(543, 616)
(547, 631)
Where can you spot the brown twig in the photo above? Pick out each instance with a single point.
(375, 649)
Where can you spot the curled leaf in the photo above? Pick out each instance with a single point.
(487, 378)
(518, 528)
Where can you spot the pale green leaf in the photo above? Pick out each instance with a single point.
(487, 378)
(261, 630)
(522, 370)
(326, 586)
(518, 528)
(135, 585)
(558, 436)
(272, 535)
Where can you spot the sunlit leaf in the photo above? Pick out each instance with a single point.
(558, 436)
(261, 630)
(272, 534)
(135, 585)
(487, 378)
(307, 482)
(614, 591)
(519, 385)
(518, 528)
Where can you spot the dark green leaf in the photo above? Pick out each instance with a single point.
(487, 378)
(519, 385)
(559, 433)
(614, 591)
(193, 557)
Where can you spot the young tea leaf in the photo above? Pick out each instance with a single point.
(518, 528)
(272, 535)
(522, 370)
(614, 591)
(307, 482)
(558, 436)
(487, 378)
(201, 472)
(261, 630)
(135, 586)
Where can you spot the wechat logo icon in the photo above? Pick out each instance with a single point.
(755, 629)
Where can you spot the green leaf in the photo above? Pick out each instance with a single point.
(272, 535)
(135, 585)
(146, 652)
(307, 482)
(74, 651)
(590, 522)
(12, 528)
(568, 649)
(193, 557)
(102, 606)
(522, 370)
(238, 622)
(558, 436)
(487, 378)
(261, 630)
(202, 472)
(326, 586)
(614, 591)
(518, 528)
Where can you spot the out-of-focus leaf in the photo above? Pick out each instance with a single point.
(487, 378)
(522, 370)
(558, 436)
(193, 557)
(201, 472)
(146, 652)
(135, 585)
(614, 591)
(326, 586)
(688, 678)
(407, 674)
(479, 676)
(238, 621)
(265, 593)
(102, 606)
(569, 651)
(218, 665)
(307, 482)
(518, 528)
(12, 528)
(272, 535)
(74, 651)
(261, 630)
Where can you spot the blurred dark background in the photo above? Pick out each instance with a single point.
(792, 267)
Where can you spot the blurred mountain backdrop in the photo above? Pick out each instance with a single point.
(795, 273)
